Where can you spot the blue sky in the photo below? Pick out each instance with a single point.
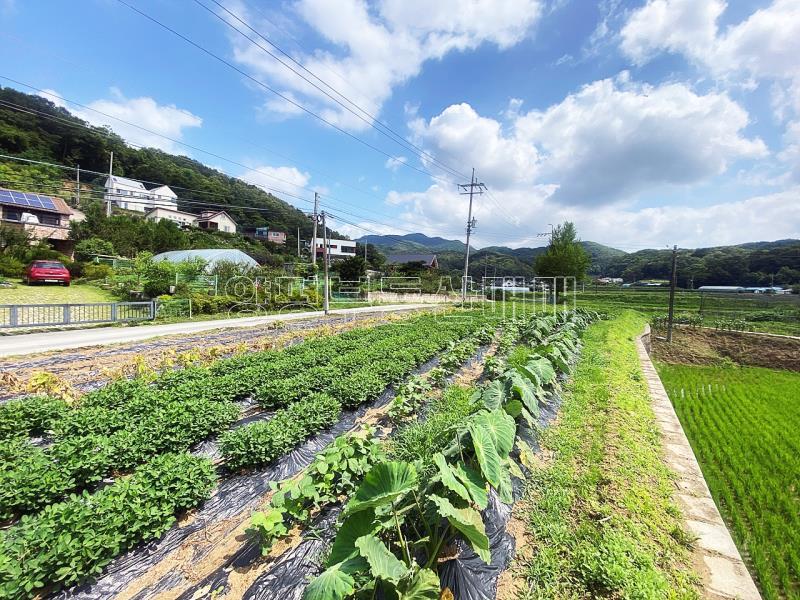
(646, 122)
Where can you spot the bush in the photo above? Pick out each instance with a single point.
(85, 249)
(11, 267)
(94, 272)
(30, 416)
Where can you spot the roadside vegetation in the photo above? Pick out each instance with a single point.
(744, 426)
(599, 511)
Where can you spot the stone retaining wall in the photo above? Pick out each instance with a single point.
(717, 559)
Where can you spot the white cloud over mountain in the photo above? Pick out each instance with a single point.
(160, 119)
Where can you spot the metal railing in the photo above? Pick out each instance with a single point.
(43, 315)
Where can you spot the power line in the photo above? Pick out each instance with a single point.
(272, 90)
(369, 119)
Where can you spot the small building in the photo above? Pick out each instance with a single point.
(276, 237)
(183, 219)
(211, 256)
(216, 221)
(722, 289)
(428, 260)
(336, 248)
(44, 218)
(610, 280)
(130, 194)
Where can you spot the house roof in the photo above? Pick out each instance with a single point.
(117, 180)
(403, 259)
(207, 216)
(210, 255)
(27, 202)
(170, 210)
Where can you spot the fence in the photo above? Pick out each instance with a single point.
(39, 315)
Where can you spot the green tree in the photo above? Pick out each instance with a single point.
(352, 269)
(85, 249)
(564, 257)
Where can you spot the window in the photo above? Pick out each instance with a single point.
(12, 215)
(49, 219)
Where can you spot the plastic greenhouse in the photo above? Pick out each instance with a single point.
(211, 256)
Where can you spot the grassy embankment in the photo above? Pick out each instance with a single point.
(599, 509)
(744, 426)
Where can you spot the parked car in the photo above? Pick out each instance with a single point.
(46, 271)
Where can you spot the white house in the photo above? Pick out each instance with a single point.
(336, 248)
(133, 195)
(217, 220)
(184, 219)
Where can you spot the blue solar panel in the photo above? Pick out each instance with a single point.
(27, 199)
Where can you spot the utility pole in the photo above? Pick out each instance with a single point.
(672, 282)
(473, 188)
(325, 305)
(314, 240)
(111, 183)
(78, 179)
(298, 242)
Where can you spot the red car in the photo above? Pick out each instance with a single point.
(46, 271)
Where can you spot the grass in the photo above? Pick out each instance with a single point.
(744, 426)
(600, 513)
(54, 294)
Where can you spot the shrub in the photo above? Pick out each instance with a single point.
(85, 249)
(93, 271)
(11, 267)
(30, 416)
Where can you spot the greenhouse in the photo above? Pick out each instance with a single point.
(211, 256)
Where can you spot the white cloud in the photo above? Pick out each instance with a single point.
(763, 46)
(376, 47)
(610, 141)
(279, 179)
(395, 163)
(161, 119)
(606, 143)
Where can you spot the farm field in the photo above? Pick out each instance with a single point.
(766, 313)
(246, 418)
(744, 426)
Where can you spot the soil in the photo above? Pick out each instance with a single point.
(696, 346)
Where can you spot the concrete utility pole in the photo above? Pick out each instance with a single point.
(78, 180)
(314, 235)
(471, 188)
(298, 242)
(672, 283)
(111, 183)
(325, 303)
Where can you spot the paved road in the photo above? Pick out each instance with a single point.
(29, 343)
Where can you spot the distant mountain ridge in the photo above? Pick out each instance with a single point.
(750, 263)
(499, 260)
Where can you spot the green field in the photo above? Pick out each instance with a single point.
(53, 294)
(744, 426)
(767, 313)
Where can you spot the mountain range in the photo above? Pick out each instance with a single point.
(751, 263)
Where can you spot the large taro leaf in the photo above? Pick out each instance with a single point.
(383, 564)
(500, 426)
(504, 488)
(468, 522)
(513, 408)
(542, 369)
(527, 393)
(486, 453)
(385, 483)
(353, 527)
(422, 584)
(449, 479)
(332, 584)
(475, 484)
(495, 394)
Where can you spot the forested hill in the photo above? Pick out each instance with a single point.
(46, 132)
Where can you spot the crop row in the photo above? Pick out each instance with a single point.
(70, 540)
(359, 376)
(128, 422)
(396, 523)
